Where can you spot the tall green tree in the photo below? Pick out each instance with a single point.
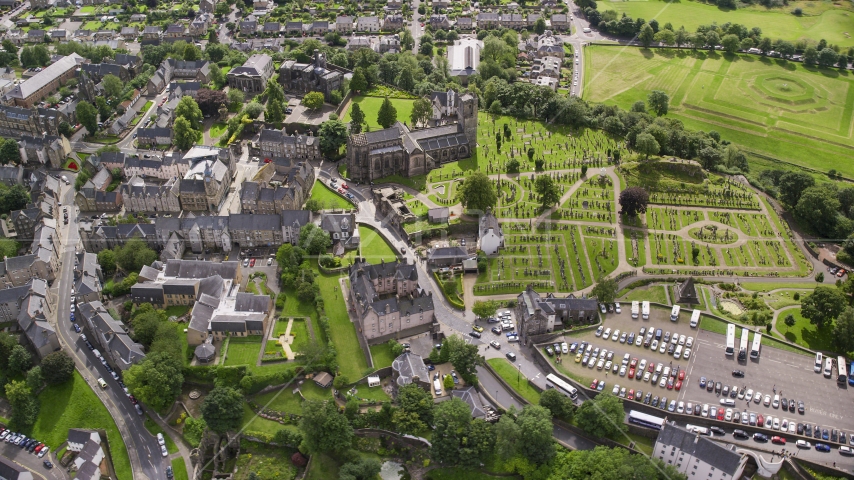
(647, 145)
(484, 308)
(819, 206)
(477, 193)
(413, 399)
(535, 434)
(189, 109)
(548, 191)
(792, 184)
(185, 136)
(358, 83)
(156, 381)
(605, 290)
(646, 35)
(324, 429)
(313, 100)
(603, 463)
(601, 417)
(20, 360)
(387, 114)
(333, 136)
(357, 118)
(452, 419)
(422, 112)
(558, 404)
(659, 102)
(9, 152)
(314, 240)
(823, 305)
(274, 114)
(87, 115)
(222, 409)
(843, 331)
(463, 356)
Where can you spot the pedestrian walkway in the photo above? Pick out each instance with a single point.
(285, 340)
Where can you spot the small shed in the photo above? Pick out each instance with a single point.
(374, 381)
(205, 352)
(323, 380)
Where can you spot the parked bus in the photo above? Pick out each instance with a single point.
(635, 309)
(553, 381)
(695, 318)
(742, 351)
(757, 345)
(841, 373)
(645, 420)
(730, 339)
(645, 310)
(851, 374)
(674, 313)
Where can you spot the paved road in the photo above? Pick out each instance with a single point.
(415, 25)
(142, 447)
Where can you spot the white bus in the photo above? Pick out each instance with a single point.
(635, 309)
(674, 313)
(645, 310)
(742, 350)
(730, 339)
(695, 318)
(553, 381)
(841, 373)
(645, 420)
(757, 345)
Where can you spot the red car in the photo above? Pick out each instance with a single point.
(634, 363)
(345, 186)
(594, 384)
(840, 273)
(252, 262)
(267, 160)
(721, 414)
(678, 385)
(651, 368)
(631, 394)
(760, 421)
(631, 373)
(778, 440)
(681, 374)
(670, 384)
(341, 191)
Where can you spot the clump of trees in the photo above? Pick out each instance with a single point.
(157, 380)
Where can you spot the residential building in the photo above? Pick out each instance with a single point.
(97, 235)
(42, 84)
(344, 24)
(512, 20)
(205, 185)
(536, 315)
(440, 22)
(400, 151)
(546, 67)
(319, 28)
(175, 30)
(32, 319)
(17, 121)
(368, 24)
(278, 144)
(271, 28)
(532, 19)
(289, 192)
(358, 42)
(88, 277)
(393, 23)
(464, 24)
(200, 25)
(389, 44)
(697, 456)
(444, 257)
(11, 175)
(488, 20)
(91, 198)
(207, 6)
(293, 28)
(138, 195)
(269, 44)
(464, 58)
(47, 150)
(152, 32)
(560, 22)
(97, 71)
(110, 336)
(249, 26)
(408, 369)
(154, 136)
(11, 470)
(490, 238)
(252, 77)
(315, 77)
(87, 445)
(342, 230)
(387, 300)
(197, 70)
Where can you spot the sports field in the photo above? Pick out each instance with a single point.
(820, 19)
(768, 106)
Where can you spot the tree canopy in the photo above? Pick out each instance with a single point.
(601, 417)
(633, 201)
(823, 305)
(387, 114)
(222, 409)
(477, 193)
(324, 429)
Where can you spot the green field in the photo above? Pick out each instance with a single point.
(805, 333)
(654, 293)
(382, 355)
(327, 198)
(771, 107)
(179, 469)
(286, 401)
(517, 382)
(820, 19)
(74, 405)
(371, 107)
(243, 350)
(372, 247)
(351, 359)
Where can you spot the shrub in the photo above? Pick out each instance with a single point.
(298, 460)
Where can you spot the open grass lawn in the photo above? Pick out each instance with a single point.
(805, 333)
(268, 462)
(327, 197)
(177, 310)
(299, 330)
(74, 405)
(382, 355)
(653, 293)
(91, 25)
(351, 359)
(372, 247)
(323, 467)
(217, 129)
(518, 382)
(455, 473)
(768, 106)
(783, 298)
(818, 22)
(254, 423)
(371, 107)
(179, 469)
(153, 428)
(768, 286)
(243, 350)
(281, 400)
(87, 9)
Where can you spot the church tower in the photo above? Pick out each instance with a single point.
(467, 116)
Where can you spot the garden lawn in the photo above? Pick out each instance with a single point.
(771, 107)
(456, 473)
(299, 331)
(243, 350)
(372, 247)
(653, 293)
(74, 405)
(323, 467)
(327, 198)
(179, 469)
(87, 9)
(281, 400)
(518, 382)
(217, 129)
(805, 333)
(254, 423)
(371, 107)
(351, 359)
(768, 286)
(382, 355)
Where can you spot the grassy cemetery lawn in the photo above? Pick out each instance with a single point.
(327, 198)
(371, 107)
(820, 19)
(770, 106)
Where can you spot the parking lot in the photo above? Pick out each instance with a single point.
(32, 461)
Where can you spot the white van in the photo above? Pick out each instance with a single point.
(677, 354)
(97, 353)
(645, 310)
(695, 318)
(674, 313)
(828, 367)
(102, 383)
(635, 309)
(437, 386)
(818, 361)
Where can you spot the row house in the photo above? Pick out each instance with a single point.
(560, 22)
(111, 338)
(319, 28)
(293, 28)
(464, 24)
(20, 270)
(30, 306)
(200, 25)
(277, 143)
(129, 33)
(97, 71)
(271, 28)
(141, 196)
(488, 20)
(278, 191)
(88, 277)
(164, 168)
(175, 30)
(515, 21)
(249, 45)
(256, 230)
(152, 32)
(249, 26)
(96, 235)
(154, 136)
(344, 24)
(440, 22)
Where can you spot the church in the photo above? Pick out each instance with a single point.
(397, 150)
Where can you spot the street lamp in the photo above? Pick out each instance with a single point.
(518, 373)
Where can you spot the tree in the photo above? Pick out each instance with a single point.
(35, 378)
(185, 135)
(191, 53)
(189, 109)
(463, 356)
(647, 145)
(324, 429)
(404, 80)
(558, 404)
(448, 383)
(507, 434)
(477, 193)
(313, 205)
(209, 100)
(792, 184)
(333, 136)
(810, 56)
(134, 254)
(512, 166)
(484, 308)
(20, 360)
(746, 44)
(819, 277)
(658, 102)
(452, 419)
(314, 240)
(145, 326)
(107, 261)
(25, 407)
(362, 469)
(605, 290)
(235, 100)
(9, 152)
(633, 201)
(406, 40)
(818, 206)
(222, 409)
(548, 191)
(87, 115)
(646, 35)
(843, 331)
(603, 463)
(387, 114)
(422, 112)
(789, 320)
(156, 381)
(313, 100)
(535, 429)
(823, 305)
(357, 118)
(666, 37)
(358, 83)
(730, 43)
(113, 86)
(414, 400)
(601, 417)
